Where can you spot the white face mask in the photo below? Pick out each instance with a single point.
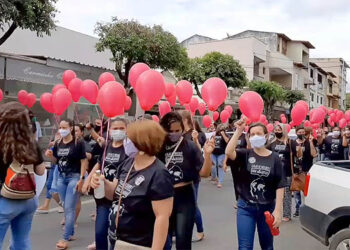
(64, 132)
(117, 134)
(336, 133)
(257, 141)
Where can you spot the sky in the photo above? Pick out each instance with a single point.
(325, 23)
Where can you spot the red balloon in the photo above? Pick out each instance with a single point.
(330, 111)
(46, 102)
(57, 87)
(315, 125)
(111, 99)
(150, 88)
(68, 76)
(229, 109)
(262, 118)
(184, 92)
(1, 95)
(333, 117)
(201, 108)
(339, 115)
(317, 116)
(187, 107)
(224, 115)
(342, 123)
(283, 119)
(136, 70)
(324, 109)
(347, 115)
(74, 88)
(298, 114)
(164, 108)
(215, 115)
(304, 104)
(31, 99)
(172, 99)
(330, 121)
(292, 124)
(287, 127)
(61, 101)
(155, 118)
(22, 97)
(194, 104)
(269, 127)
(206, 121)
(307, 124)
(104, 78)
(349, 123)
(89, 90)
(252, 105)
(170, 89)
(128, 103)
(214, 92)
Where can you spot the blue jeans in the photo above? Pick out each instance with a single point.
(217, 169)
(19, 214)
(66, 185)
(101, 227)
(250, 216)
(198, 216)
(49, 182)
(297, 197)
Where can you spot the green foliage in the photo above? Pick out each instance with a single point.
(35, 15)
(131, 42)
(271, 93)
(213, 64)
(292, 96)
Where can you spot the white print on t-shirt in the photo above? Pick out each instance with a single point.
(176, 172)
(63, 153)
(257, 189)
(109, 171)
(111, 157)
(260, 170)
(280, 147)
(177, 158)
(127, 189)
(139, 180)
(252, 160)
(335, 146)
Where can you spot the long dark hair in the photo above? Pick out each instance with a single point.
(169, 119)
(16, 136)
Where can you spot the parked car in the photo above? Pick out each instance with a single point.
(325, 213)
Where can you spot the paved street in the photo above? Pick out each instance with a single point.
(218, 214)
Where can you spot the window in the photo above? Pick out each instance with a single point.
(317, 99)
(321, 101)
(311, 73)
(319, 78)
(263, 70)
(312, 97)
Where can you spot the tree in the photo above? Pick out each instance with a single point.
(213, 64)
(291, 97)
(35, 15)
(131, 42)
(270, 92)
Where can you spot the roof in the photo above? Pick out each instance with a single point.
(318, 68)
(63, 44)
(332, 58)
(196, 35)
(306, 43)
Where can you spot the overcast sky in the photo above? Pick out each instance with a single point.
(325, 23)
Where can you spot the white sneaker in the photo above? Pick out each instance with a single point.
(60, 210)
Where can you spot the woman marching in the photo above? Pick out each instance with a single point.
(18, 147)
(114, 156)
(281, 145)
(141, 191)
(184, 161)
(70, 156)
(260, 186)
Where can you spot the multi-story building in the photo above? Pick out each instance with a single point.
(338, 67)
(318, 86)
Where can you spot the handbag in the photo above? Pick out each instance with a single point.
(19, 182)
(298, 179)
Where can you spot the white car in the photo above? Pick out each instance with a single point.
(325, 213)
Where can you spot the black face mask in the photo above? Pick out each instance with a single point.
(301, 137)
(278, 135)
(326, 132)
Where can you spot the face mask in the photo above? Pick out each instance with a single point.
(301, 137)
(64, 132)
(174, 137)
(293, 136)
(257, 141)
(117, 134)
(336, 133)
(130, 149)
(278, 135)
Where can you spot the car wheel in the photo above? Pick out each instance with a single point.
(341, 240)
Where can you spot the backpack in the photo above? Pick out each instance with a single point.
(19, 183)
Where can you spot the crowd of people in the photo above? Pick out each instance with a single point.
(147, 176)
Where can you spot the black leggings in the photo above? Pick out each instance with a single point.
(182, 218)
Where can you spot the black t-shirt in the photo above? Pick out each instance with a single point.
(69, 156)
(201, 137)
(334, 148)
(283, 151)
(186, 163)
(220, 145)
(136, 220)
(260, 176)
(114, 157)
(4, 166)
(306, 161)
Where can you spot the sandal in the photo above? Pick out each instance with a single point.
(198, 238)
(62, 245)
(92, 246)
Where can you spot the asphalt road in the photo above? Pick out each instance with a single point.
(219, 225)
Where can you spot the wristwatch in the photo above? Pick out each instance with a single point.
(82, 177)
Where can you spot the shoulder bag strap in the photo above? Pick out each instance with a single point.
(291, 157)
(121, 195)
(173, 153)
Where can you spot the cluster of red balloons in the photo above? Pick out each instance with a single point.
(25, 98)
(1, 95)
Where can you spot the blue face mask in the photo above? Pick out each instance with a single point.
(130, 149)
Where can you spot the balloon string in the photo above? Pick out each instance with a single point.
(101, 129)
(98, 112)
(105, 149)
(53, 129)
(76, 112)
